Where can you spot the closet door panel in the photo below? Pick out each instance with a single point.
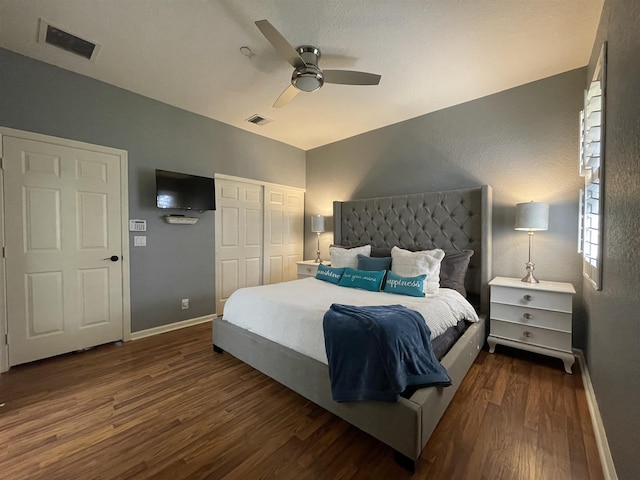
(284, 233)
(239, 243)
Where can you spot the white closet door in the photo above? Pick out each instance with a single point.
(283, 233)
(63, 228)
(239, 242)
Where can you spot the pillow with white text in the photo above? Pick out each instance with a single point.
(412, 286)
(364, 279)
(329, 274)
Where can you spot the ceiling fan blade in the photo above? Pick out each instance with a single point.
(285, 97)
(280, 44)
(349, 77)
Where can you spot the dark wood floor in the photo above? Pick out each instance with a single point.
(167, 407)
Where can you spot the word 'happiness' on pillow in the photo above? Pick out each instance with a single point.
(366, 280)
(373, 263)
(423, 262)
(347, 257)
(412, 286)
(329, 274)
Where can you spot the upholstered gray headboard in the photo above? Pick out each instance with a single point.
(452, 220)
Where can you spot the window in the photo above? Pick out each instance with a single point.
(591, 168)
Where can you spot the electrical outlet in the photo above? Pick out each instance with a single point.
(185, 303)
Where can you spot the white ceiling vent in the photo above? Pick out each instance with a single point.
(258, 120)
(52, 35)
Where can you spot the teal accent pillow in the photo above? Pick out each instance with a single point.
(412, 286)
(366, 280)
(329, 274)
(372, 263)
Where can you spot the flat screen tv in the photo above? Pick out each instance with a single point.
(184, 192)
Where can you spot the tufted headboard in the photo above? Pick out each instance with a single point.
(452, 220)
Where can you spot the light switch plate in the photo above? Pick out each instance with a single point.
(140, 241)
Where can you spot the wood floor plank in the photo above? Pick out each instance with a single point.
(167, 407)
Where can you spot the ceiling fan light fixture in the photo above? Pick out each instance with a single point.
(307, 79)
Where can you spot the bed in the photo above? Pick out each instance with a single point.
(453, 220)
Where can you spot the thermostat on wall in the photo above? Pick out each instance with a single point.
(136, 225)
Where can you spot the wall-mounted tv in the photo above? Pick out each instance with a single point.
(184, 192)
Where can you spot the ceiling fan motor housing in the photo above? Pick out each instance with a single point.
(308, 78)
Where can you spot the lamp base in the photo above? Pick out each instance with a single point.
(318, 259)
(529, 278)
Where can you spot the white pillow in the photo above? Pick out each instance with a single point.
(348, 257)
(411, 264)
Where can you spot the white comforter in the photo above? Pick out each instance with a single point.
(291, 313)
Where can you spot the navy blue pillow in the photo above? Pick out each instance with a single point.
(366, 280)
(329, 274)
(373, 263)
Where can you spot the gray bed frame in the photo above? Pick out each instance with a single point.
(453, 220)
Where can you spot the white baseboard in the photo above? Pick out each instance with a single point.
(606, 459)
(171, 326)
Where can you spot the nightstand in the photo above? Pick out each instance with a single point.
(532, 316)
(309, 268)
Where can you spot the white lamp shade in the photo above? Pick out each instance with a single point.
(317, 223)
(532, 216)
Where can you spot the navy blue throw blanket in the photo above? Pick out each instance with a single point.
(375, 352)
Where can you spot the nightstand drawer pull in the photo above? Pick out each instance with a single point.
(527, 316)
(526, 334)
(528, 298)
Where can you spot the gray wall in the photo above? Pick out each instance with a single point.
(613, 350)
(179, 260)
(523, 142)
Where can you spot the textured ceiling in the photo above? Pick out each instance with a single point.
(431, 54)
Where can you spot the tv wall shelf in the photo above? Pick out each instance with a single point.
(180, 219)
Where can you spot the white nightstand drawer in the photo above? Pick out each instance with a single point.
(532, 335)
(309, 268)
(532, 316)
(529, 297)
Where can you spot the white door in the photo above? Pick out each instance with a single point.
(283, 233)
(239, 217)
(63, 225)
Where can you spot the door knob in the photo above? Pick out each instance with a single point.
(113, 258)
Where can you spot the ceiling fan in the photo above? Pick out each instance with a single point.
(307, 76)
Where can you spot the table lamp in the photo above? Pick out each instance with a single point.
(532, 217)
(317, 227)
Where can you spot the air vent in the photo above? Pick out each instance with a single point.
(258, 120)
(67, 41)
